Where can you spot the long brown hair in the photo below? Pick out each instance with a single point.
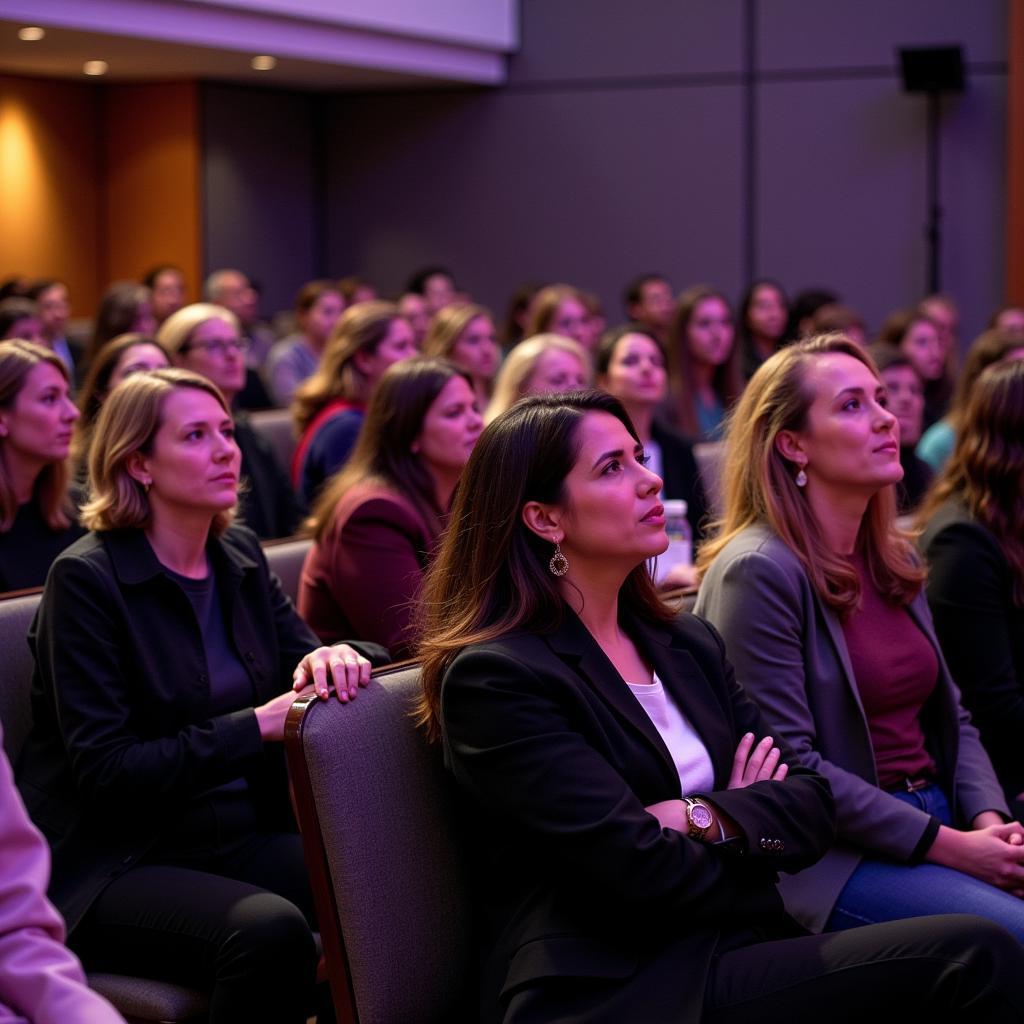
(491, 577)
(986, 469)
(726, 378)
(362, 328)
(18, 358)
(759, 485)
(383, 452)
(989, 347)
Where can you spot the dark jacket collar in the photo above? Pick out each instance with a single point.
(666, 649)
(135, 562)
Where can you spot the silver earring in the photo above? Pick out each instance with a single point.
(559, 564)
(801, 478)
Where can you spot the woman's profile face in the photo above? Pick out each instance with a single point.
(37, 427)
(555, 371)
(450, 428)
(766, 315)
(476, 349)
(398, 344)
(923, 347)
(850, 441)
(194, 462)
(136, 359)
(611, 511)
(636, 371)
(710, 332)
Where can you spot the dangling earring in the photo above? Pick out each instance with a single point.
(146, 484)
(801, 478)
(559, 564)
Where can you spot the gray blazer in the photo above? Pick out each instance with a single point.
(790, 655)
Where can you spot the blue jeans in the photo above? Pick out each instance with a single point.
(886, 891)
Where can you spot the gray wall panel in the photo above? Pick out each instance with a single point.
(259, 201)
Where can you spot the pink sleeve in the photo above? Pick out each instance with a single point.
(41, 980)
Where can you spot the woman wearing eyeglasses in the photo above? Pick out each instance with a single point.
(206, 339)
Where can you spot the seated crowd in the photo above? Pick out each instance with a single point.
(843, 707)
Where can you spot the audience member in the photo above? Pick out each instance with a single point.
(19, 318)
(541, 365)
(115, 362)
(166, 284)
(648, 301)
(41, 980)
(804, 308)
(205, 338)
(414, 308)
(436, 285)
(992, 346)
(918, 338)
(466, 336)
(15, 287)
(125, 308)
(560, 309)
(376, 523)
(818, 598)
(165, 657)
(630, 365)
(236, 291)
(630, 814)
(1009, 320)
(974, 545)
(764, 311)
(704, 372)
(293, 360)
(356, 289)
(942, 312)
(37, 416)
(905, 396)
(836, 319)
(54, 306)
(328, 408)
(517, 315)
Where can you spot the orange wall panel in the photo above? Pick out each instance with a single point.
(151, 180)
(49, 184)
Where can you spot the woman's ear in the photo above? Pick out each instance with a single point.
(543, 520)
(790, 447)
(137, 467)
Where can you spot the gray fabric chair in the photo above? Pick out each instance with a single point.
(285, 558)
(277, 427)
(139, 1000)
(377, 814)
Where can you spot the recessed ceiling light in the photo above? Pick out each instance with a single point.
(31, 33)
(95, 67)
(263, 63)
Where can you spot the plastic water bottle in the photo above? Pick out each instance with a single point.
(680, 539)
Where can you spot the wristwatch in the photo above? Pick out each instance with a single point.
(700, 819)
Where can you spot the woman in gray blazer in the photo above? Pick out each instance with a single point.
(819, 600)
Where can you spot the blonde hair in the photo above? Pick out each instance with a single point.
(17, 360)
(759, 486)
(448, 326)
(176, 331)
(128, 423)
(361, 328)
(520, 365)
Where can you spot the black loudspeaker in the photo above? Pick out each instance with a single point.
(932, 68)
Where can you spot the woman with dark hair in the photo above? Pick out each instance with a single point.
(818, 597)
(167, 658)
(19, 318)
(629, 812)
(296, 358)
(37, 417)
(517, 314)
(166, 284)
(115, 362)
(377, 522)
(763, 314)
(630, 364)
(126, 307)
(992, 346)
(918, 337)
(974, 545)
(328, 408)
(704, 372)
(465, 335)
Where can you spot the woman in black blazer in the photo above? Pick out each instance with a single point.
(166, 655)
(629, 812)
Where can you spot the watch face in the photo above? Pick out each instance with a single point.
(700, 816)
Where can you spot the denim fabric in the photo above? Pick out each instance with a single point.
(886, 891)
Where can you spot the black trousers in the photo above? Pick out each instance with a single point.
(920, 969)
(240, 926)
